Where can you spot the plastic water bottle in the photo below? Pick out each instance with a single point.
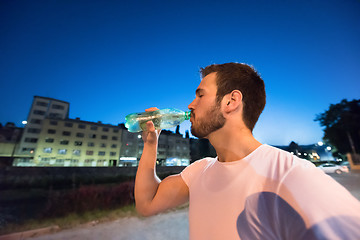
(162, 119)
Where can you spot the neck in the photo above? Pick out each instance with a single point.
(232, 144)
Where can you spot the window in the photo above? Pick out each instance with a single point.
(93, 127)
(92, 135)
(91, 144)
(53, 122)
(51, 131)
(33, 130)
(49, 140)
(101, 153)
(59, 160)
(103, 145)
(113, 146)
(115, 130)
(62, 151)
(55, 115)
(31, 140)
(104, 137)
(68, 124)
(64, 142)
(74, 161)
(112, 153)
(76, 152)
(45, 160)
(82, 126)
(43, 104)
(114, 138)
(88, 161)
(39, 112)
(89, 152)
(35, 121)
(57, 106)
(47, 150)
(31, 150)
(78, 143)
(66, 133)
(105, 129)
(79, 134)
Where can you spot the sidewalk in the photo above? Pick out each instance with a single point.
(172, 225)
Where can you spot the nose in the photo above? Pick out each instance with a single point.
(191, 105)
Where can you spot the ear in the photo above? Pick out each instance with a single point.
(233, 101)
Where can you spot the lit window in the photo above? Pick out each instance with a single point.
(62, 151)
(76, 152)
(47, 150)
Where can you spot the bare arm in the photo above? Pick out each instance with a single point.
(151, 194)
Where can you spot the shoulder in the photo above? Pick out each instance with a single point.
(277, 163)
(191, 171)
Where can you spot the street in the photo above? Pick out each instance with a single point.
(172, 225)
(351, 181)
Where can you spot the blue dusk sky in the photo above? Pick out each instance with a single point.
(111, 58)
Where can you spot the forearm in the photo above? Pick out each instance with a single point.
(147, 182)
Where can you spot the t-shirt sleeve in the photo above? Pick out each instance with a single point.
(190, 172)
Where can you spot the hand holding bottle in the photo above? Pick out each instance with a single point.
(151, 135)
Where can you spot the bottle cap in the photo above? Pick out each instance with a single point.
(187, 115)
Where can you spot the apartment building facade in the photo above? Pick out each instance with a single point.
(72, 142)
(41, 108)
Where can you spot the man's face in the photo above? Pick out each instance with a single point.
(206, 116)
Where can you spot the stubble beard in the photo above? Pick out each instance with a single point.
(212, 121)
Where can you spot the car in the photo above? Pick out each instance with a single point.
(346, 163)
(333, 168)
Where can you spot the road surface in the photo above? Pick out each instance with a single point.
(171, 225)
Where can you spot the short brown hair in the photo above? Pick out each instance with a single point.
(242, 77)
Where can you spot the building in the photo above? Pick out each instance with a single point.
(41, 109)
(201, 148)
(72, 142)
(173, 149)
(10, 136)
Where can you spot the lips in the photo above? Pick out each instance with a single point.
(192, 116)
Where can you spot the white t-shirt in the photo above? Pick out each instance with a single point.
(269, 194)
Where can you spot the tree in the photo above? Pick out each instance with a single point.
(342, 126)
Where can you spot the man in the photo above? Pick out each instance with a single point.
(250, 190)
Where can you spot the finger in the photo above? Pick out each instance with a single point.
(151, 109)
(150, 126)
